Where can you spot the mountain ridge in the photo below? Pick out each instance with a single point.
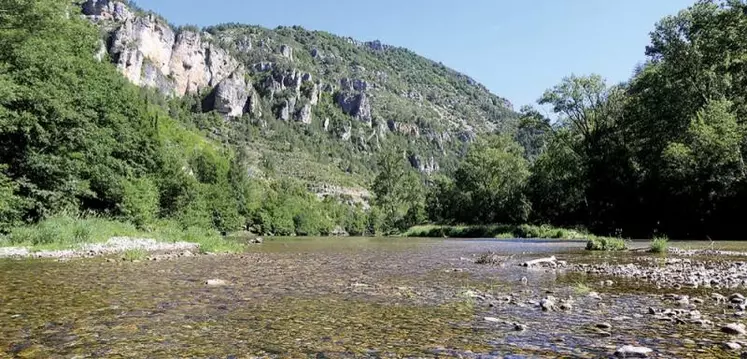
(361, 94)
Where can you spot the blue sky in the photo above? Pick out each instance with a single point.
(516, 48)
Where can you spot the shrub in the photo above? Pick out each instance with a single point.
(139, 201)
(134, 255)
(659, 244)
(606, 244)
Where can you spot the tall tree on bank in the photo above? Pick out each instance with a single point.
(398, 191)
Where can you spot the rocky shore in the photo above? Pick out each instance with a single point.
(113, 246)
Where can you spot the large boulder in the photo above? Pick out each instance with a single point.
(231, 95)
(356, 105)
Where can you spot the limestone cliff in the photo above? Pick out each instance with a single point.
(297, 76)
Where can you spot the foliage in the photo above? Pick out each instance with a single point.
(139, 202)
(596, 243)
(659, 244)
(488, 186)
(398, 192)
(77, 137)
(523, 231)
(132, 255)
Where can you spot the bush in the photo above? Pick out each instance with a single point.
(606, 244)
(659, 244)
(139, 201)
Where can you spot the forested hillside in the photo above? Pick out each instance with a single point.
(108, 110)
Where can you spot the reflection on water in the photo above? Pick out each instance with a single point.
(332, 297)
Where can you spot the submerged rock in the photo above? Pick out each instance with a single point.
(215, 283)
(734, 329)
(630, 351)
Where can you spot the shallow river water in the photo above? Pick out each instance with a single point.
(340, 298)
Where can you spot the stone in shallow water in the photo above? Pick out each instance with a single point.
(215, 282)
(734, 329)
(732, 346)
(630, 351)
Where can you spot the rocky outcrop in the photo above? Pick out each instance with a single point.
(138, 39)
(231, 95)
(106, 10)
(314, 94)
(286, 51)
(428, 166)
(356, 105)
(187, 65)
(220, 64)
(407, 129)
(148, 52)
(304, 114)
(347, 84)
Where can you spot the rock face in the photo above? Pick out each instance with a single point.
(188, 65)
(407, 129)
(138, 39)
(428, 166)
(286, 51)
(148, 52)
(304, 114)
(106, 10)
(231, 95)
(356, 105)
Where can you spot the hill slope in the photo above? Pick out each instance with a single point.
(307, 104)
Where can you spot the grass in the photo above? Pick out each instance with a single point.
(659, 244)
(68, 232)
(598, 243)
(495, 231)
(581, 288)
(132, 255)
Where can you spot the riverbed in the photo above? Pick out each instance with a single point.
(353, 297)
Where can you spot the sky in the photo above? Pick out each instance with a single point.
(516, 48)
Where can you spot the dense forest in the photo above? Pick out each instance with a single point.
(661, 154)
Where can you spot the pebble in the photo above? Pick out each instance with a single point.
(215, 282)
(732, 346)
(604, 325)
(112, 246)
(520, 327)
(630, 351)
(734, 329)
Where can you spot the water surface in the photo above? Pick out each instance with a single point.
(349, 297)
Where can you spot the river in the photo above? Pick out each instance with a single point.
(349, 297)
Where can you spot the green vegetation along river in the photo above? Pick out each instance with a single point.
(349, 298)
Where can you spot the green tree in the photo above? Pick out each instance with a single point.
(492, 178)
(398, 191)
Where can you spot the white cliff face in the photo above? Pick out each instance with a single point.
(106, 10)
(187, 65)
(231, 94)
(138, 39)
(149, 53)
(220, 64)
